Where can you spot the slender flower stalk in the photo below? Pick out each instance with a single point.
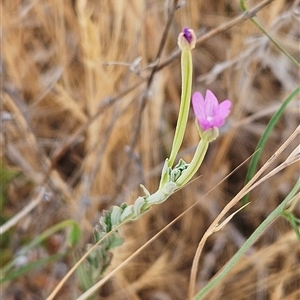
(195, 163)
(186, 42)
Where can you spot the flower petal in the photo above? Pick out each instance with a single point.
(187, 34)
(221, 113)
(211, 103)
(224, 108)
(198, 105)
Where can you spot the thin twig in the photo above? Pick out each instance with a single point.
(58, 153)
(54, 180)
(171, 13)
(143, 100)
(21, 214)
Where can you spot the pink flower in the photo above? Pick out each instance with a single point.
(208, 111)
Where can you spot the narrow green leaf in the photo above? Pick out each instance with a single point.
(293, 221)
(74, 235)
(264, 138)
(31, 266)
(40, 238)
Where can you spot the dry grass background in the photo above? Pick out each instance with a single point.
(63, 61)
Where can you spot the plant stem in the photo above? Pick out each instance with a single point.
(187, 73)
(195, 163)
(264, 31)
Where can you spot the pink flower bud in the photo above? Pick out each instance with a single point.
(187, 39)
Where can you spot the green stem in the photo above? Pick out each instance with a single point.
(255, 235)
(187, 73)
(195, 163)
(293, 221)
(244, 9)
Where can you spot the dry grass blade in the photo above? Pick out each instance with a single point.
(24, 212)
(246, 189)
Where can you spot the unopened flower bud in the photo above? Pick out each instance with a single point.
(187, 39)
